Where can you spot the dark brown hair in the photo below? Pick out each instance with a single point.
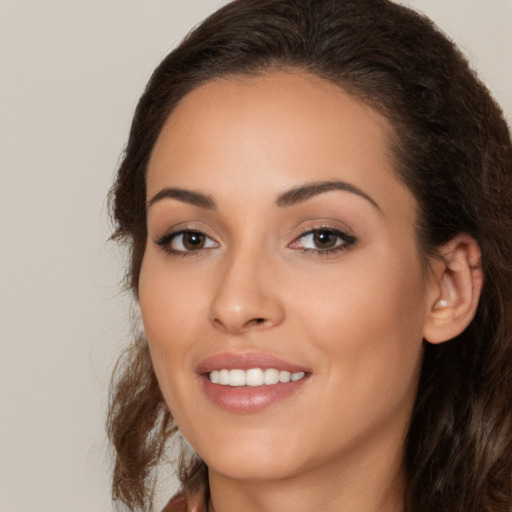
(452, 149)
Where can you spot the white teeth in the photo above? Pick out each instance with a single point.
(253, 377)
(271, 376)
(224, 377)
(236, 378)
(285, 376)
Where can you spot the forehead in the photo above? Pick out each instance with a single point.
(271, 132)
(267, 105)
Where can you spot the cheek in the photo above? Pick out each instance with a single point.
(378, 293)
(369, 321)
(168, 306)
(168, 299)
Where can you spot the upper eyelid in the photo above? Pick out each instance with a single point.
(324, 225)
(322, 228)
(170, 235)
(184, 227)
(336, 231)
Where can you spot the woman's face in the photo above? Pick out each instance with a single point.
(282, 264)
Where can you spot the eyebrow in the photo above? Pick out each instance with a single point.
(289, 198)
(309, 190)
(185, 196)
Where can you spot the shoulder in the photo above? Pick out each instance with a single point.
(177, 503)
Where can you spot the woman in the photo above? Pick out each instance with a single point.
(317, 197)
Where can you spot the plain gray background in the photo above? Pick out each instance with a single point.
(70, 75)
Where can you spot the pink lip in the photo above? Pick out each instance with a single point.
(248, 399)
(246, 361)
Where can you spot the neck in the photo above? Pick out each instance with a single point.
(368, 484)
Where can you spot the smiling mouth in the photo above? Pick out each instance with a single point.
(253, 377)
(250, 382)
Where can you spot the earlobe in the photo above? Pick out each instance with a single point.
(454, 288)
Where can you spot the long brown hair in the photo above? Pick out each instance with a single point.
(452, 149)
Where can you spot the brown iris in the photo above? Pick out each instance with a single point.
(193, 241)
(325, 239)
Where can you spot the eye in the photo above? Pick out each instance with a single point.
(323, 240)
(183, 242)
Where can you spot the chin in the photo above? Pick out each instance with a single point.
(250, 459)
(257, 469)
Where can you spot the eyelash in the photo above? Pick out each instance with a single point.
(166, 240)
(347, 241)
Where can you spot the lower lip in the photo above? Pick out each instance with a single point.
(249, 399)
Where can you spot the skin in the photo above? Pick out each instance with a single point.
(356, 318)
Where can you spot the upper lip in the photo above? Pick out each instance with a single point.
(246, 361)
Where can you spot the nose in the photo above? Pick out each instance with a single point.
(247, 295)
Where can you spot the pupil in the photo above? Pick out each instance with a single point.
(324, 239)
(193, 240)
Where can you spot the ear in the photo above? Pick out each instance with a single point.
(454, 288)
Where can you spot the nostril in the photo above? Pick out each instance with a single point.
(256, 321)
(250, 323)
(217, 322)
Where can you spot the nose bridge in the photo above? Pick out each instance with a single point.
(246, 296)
